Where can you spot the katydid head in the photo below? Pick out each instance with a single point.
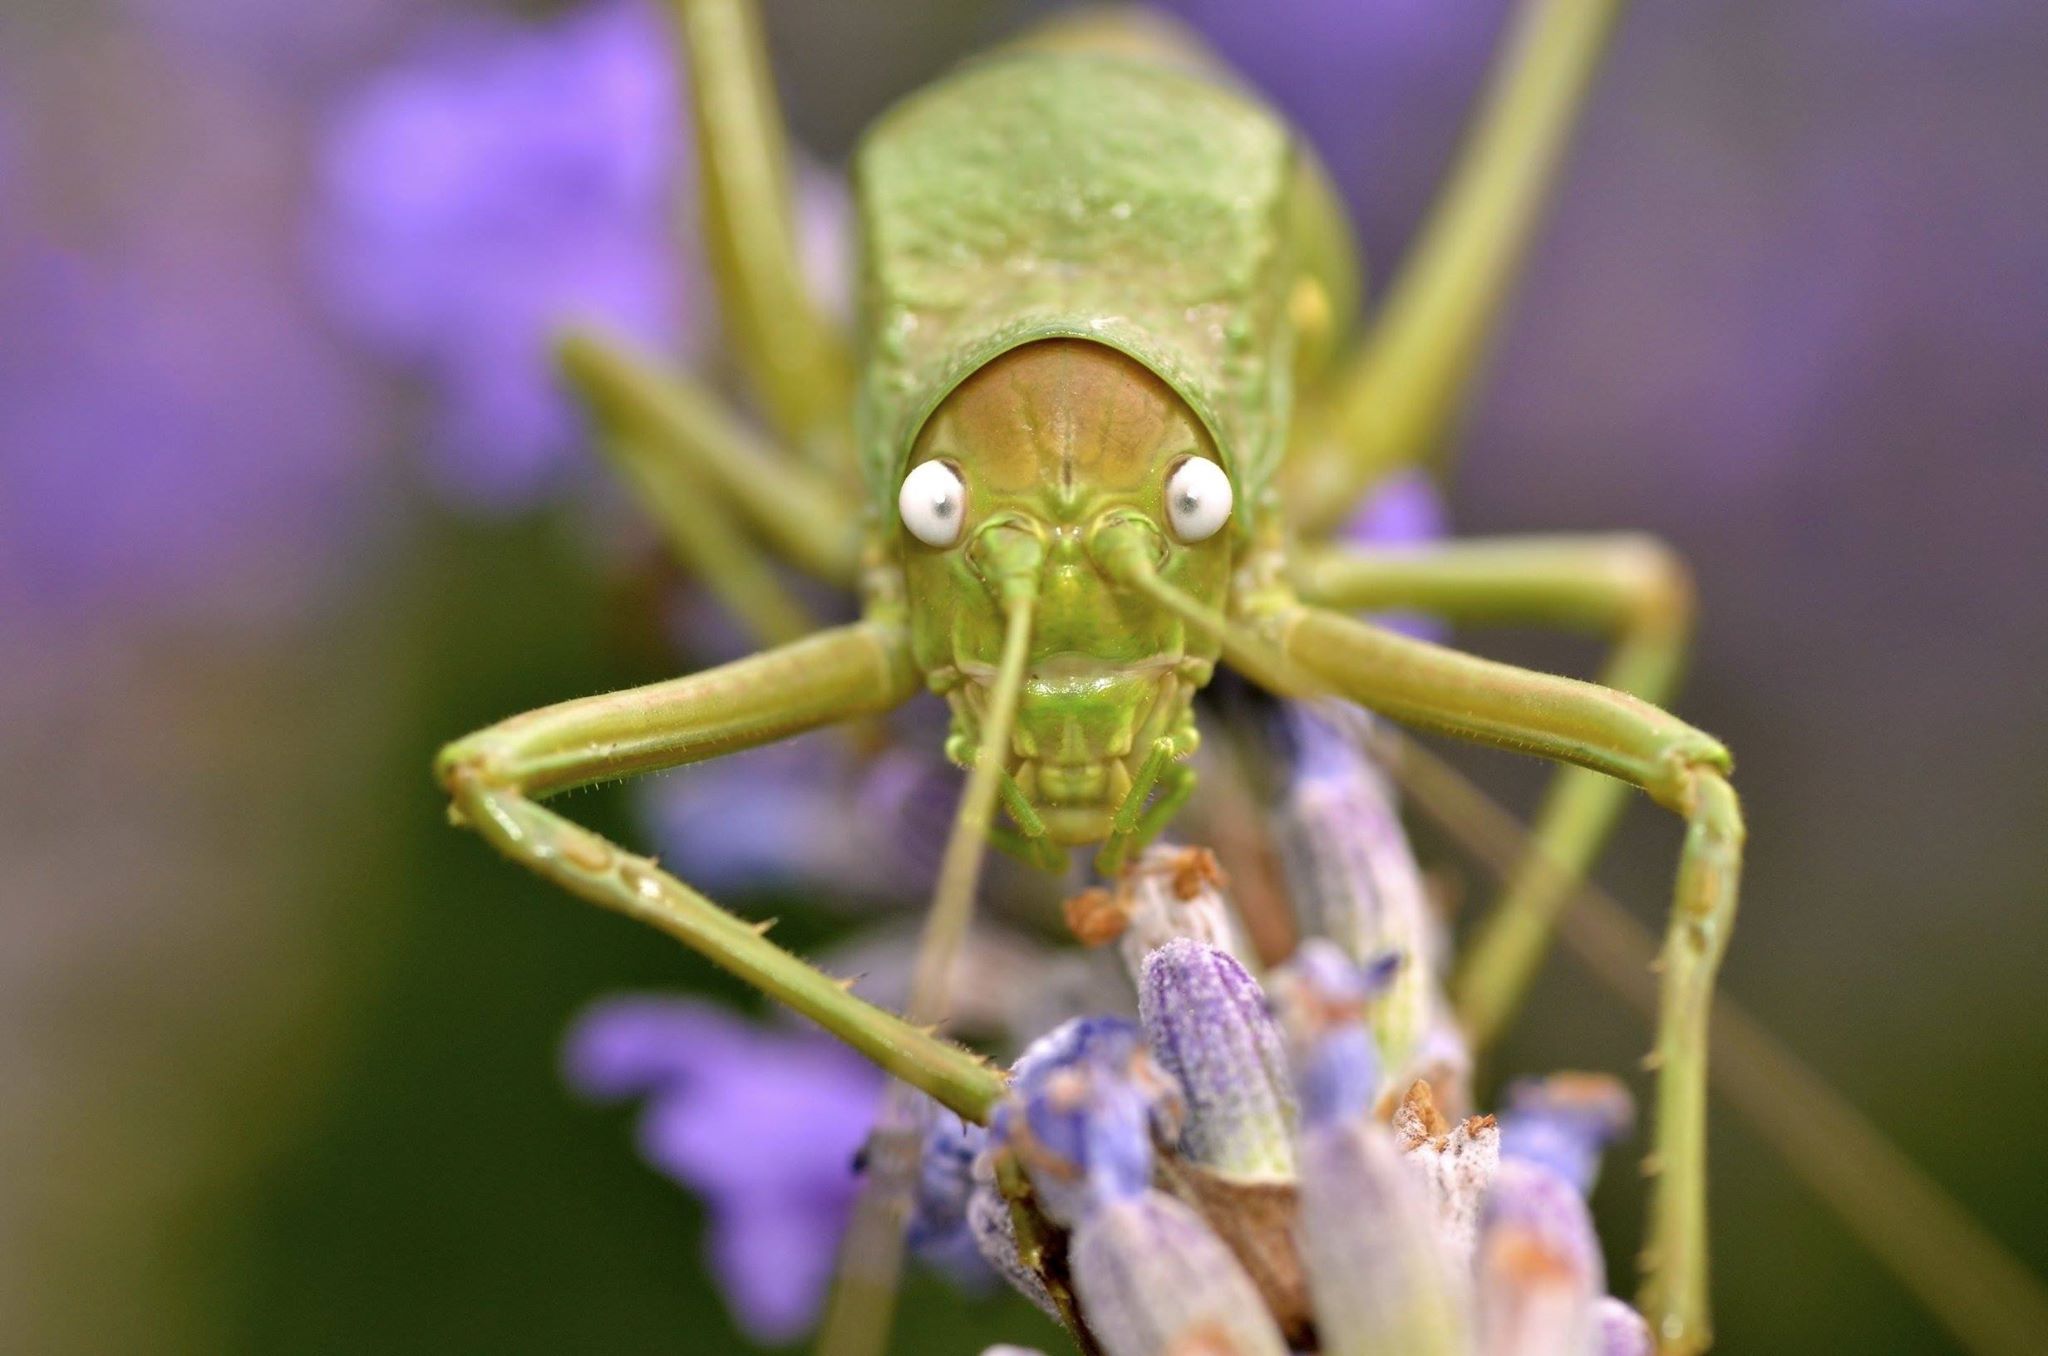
(1040, 474)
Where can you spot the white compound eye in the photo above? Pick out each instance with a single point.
(1197, 499)
(933, 503)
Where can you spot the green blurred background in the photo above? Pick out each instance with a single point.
(278, 1050)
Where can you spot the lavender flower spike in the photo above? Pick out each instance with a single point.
(1150, 1277)
(1208, 1023)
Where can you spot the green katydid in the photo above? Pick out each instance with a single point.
(1106, 413)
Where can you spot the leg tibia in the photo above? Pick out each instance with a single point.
(592, 868)
(849, 671)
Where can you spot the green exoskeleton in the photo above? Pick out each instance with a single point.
(1107, 408)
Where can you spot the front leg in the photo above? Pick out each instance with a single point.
(1629, 588)
(1683, 770)
(495, 777)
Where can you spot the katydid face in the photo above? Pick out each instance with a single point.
(1062, 439)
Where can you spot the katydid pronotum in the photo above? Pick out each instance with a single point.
(1107, 411)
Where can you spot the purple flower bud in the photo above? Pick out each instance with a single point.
(1153, 1281)
(1622, 1330)
(938, 1231)
(1377, 1265)
(1405, 509)
(1353, 878)
(1539, 1274)
(1564, 1122)
(1321, 997)
(1084, 1103)
(1208, 1023)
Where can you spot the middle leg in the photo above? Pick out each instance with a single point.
(1395, 401)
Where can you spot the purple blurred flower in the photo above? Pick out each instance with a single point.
(499, 181)
(1540, 1275)
(1321, 997)
(1405, 509)
(175, 434)
(1565, 1122)
(809, 811)
(764, 1124)
(1623, 1332)
(1772, 310)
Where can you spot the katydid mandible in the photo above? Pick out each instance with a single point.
(1107, 411)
